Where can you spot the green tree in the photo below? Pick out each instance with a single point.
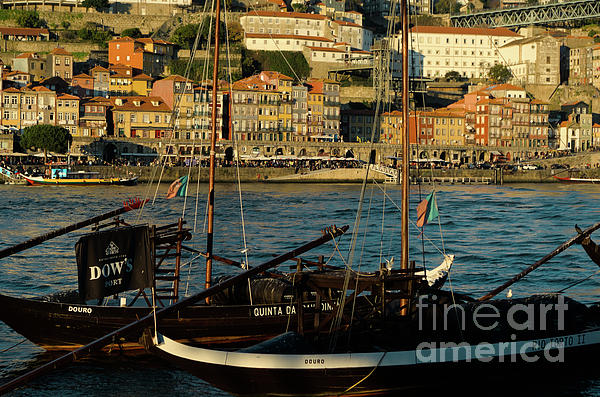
(98, 5)
(255, 61)
(453, 75)
(134, 33)
(30, 19)
(299, 7)
(65, 24)
(499, 73)
(185, 35)
(447, 7)
(46, 137)
(235, 31)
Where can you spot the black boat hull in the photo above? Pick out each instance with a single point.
(64, 327)
(374, 374)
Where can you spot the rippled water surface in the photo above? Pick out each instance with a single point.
(494, 231)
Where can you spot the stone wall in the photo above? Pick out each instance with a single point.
(116, 22)
(290, 175)
(17, 47)
(357, 94)
(222, 175)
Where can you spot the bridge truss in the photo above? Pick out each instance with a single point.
(552, 13)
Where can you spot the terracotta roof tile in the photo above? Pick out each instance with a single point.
(142, 76)
(325, 49)
(285, 36)
(60, 51)
(98, 69)
(279, 14)
(24, 31)
(346, 23)
(67, 96)
(455, 30)
(145, 104)
(26, 55)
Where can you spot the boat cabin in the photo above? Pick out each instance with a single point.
(64, 173)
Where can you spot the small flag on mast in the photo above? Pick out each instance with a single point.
(178, 188)
(427, 210)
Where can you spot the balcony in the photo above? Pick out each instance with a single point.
(269, 102)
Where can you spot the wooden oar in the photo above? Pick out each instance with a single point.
(127, 206)
(539, 263)
(328, 234)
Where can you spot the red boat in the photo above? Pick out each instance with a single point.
(568, 179)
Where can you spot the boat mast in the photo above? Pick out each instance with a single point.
(404, 263)
(213, 140)
(405, 141)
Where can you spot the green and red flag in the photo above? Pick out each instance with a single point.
(178, 188)
(427, 210)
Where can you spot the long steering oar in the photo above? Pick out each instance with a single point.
(539, 263)
(127, 206)
(328, 234)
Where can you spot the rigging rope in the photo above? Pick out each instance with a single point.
(410, 221)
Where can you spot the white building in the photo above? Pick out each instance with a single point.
(572, 137)
(289, 23)
(284, 42)
(356, 35)
(534, 60)
(468, 51)
(297, 28)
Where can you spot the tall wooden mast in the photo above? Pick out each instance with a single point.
(405, 141)
(213, 140)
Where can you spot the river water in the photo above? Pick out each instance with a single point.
(494, 231)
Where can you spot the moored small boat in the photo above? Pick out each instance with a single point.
(568, 179)
(80, 178)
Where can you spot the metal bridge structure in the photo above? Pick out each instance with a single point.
(564, 12)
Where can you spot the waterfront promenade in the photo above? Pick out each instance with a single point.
(338, 175)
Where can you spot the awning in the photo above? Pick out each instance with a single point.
(140, 154)
(495, 153)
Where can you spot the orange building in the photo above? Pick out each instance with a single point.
(148, 55)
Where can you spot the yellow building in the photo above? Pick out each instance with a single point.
(142, 117)
(315, 104)
(120, 84)
(262, 107)
(449, 127)
(11, 108)
(391, 127)
(67, 113)
(141, 85)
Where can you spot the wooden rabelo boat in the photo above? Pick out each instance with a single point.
(67, 321)
(79, 178)
(409, 338)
